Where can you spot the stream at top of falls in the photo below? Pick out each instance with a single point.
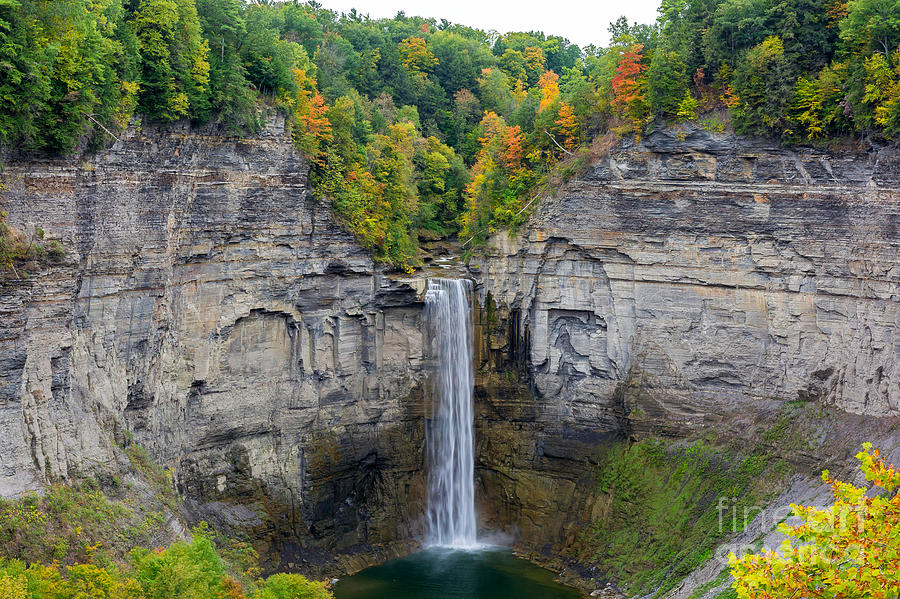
(454, 565)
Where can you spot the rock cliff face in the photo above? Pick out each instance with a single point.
(686, 284)
(209, 308)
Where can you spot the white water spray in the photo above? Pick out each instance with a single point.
(449, 439)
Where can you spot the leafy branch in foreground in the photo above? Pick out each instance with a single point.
(850, 549)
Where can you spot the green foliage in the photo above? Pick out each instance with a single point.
(660, 511)
(184, 570)
(190, 569)
(817, 109)
(763, 83)
(687, 108)
(668, 84)
(232, 101)
(291, 586)
(76, 71)
(872, 26)
(174, 58)
(65, 62)
(78, 542)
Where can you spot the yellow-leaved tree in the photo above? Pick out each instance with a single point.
(848, 550)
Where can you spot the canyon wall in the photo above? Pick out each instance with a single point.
(690, 285)
(211, 310)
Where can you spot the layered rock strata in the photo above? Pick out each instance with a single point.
(211, 310)
(688, 285)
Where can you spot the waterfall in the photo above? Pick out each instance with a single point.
(449, 439)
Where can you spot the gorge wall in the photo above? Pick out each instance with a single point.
(687, 286)
(211, 310)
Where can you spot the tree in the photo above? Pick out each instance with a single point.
(512, 62)
(817, 107)
(498, 179)
(850, 549)
(872, 26)
(291, 586)
(567, 126)
(535, 63)
(312, 131)
(764, 83)
(629, 88)
(175, 71)
(883, 91)
(667, 83)
(549, 85)
(459, 61)
(63, 71)
(231, 98)
(494, 91)
(417, 58)
(736, 26)
(803, 27)
(390, 160)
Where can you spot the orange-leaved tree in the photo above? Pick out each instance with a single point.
(567, 126)
(499, 178)
(848, 550)
(629, 87)
(549, 84)
(312, 129)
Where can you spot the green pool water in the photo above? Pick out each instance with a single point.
(454, 574)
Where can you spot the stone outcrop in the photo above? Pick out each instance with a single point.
(210, 309)
(687, 285)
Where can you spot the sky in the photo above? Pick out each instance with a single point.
(583, 22)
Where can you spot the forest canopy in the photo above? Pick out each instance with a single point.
(422, 127)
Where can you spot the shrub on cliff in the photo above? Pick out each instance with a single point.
(19, 255)
(850, 549)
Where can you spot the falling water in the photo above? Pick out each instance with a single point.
(449, 439)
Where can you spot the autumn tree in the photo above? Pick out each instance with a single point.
(498, 178)
(417, 58)
(312, 129)
(549, 86)
(567, 126)
(850, 549)
(817, 110)
(535, 63)
(882, 90)
(629, 87)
